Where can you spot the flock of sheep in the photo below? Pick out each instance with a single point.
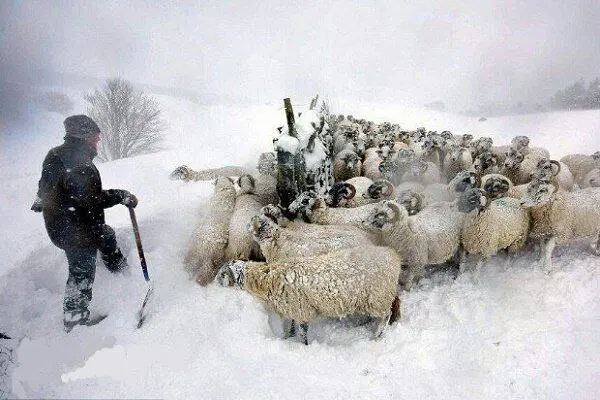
(399, 201)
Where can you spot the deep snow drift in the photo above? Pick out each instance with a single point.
(509, 331)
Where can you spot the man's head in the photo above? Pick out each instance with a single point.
(82, 127)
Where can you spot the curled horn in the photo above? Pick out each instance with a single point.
(395, 210)
(255, 224)
(388, 188)
(351, 191)
(554, 162)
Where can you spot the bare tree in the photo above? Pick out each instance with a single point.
(128, 118)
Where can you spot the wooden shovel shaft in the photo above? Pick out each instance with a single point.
(138, 242)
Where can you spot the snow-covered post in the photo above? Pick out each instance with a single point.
(288, 149)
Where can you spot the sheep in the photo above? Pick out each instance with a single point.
(206, 248)
(485, 163)
(187, 174)
(351, 193)
(554, 171)
(491, 225)
(591, 179)
(521, 144)
(362, 280)
(424, 172)
(579, 165)
(498, 185)
(346, 165)
(300, 239)
(393, 169)
(241, 244)
(313, 208)
(558, 216)
(458, 159)
(480, 145)
(429, 237)
(518, 167)
(370, 164)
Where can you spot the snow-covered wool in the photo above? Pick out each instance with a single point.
(519, 168)
(480, 145)
(424, 172)
(579, 165)
(300, 239)
(361, 281)
(558, 216)
(206, 248)
(346, 165)
(492, 225)
(241, 245)
(430, 237)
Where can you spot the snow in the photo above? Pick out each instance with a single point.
(508, 331)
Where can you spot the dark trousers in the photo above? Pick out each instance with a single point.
(82, 267)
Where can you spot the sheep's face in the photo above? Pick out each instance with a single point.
(267, 164)
(223, 184)
(411, 200)
(351, 160)
(182, 173)
(481, 145)
(339, 192)
(246, 183)
(545, 169)
(538, 193)
(519, 142)
(385, 214)
(385, 151)
(418, 135)
(263, 229)
(447, 135)
(303, 203)
(484, 161)
(471, 199)
(379, 189)
(463, 181)
(402, 136)
(466, 139)
(496, 186)
(458, 153)
(514, 158)
(232, 273)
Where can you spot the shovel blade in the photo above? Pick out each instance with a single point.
(143, 312)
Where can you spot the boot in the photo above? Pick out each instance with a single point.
(115, 262)
(73, 318)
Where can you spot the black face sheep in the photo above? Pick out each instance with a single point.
(362, 281)
(346, 164)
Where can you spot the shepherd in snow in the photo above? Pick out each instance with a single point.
(71, 198)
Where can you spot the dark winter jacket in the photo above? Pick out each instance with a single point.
(73, 201)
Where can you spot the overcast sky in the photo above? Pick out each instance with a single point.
(461, 52)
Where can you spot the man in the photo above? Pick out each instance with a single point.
(71, 198)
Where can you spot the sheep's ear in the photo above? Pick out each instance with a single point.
(387, 188)
(557, 165)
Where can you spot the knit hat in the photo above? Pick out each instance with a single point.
(80, 126)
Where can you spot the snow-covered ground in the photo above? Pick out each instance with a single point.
(511, 332)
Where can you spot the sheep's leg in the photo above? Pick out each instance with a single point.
(550, 244)
(383, 322)
(289, 328)
(304, 332)
(395, 311)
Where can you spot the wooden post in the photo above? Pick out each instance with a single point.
(289, 116)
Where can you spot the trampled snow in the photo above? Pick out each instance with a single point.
(506, 332)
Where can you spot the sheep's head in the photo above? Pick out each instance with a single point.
(538, 193)
(485, 161)
(275, 213)
(514, 158)
(546, 169)
(264, 229)
(181, 173)
(349, 158)
(339, 192)
(419, 134)
(466, 140)
(519, 142)
(385, 151)
(379, 189)
(247, 183)
(464, 180)
(471, 199)
(304, 203)
(384, 214)
(495, 185)
(481, 145)
(232, 273)
(412, 201)
(459, 153)
(592, 178)
(447, 135)
(267, 164)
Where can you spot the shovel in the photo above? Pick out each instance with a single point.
(138, 241)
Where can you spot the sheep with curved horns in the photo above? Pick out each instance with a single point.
(429, 237)
(519, 168)
(350, 193)
(346, 165)
(362, 280)
(558, 216)
(555, 172)
(591, 179)
(496, 186)
(521, 144)
(206, 248)
(491, 225)
(370, 164)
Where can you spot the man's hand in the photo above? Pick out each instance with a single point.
(129, 199)
(182, 173)
(37, 205)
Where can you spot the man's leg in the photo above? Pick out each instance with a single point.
(107, 244)
(78, 291)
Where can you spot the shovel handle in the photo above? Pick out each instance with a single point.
(138, 242)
